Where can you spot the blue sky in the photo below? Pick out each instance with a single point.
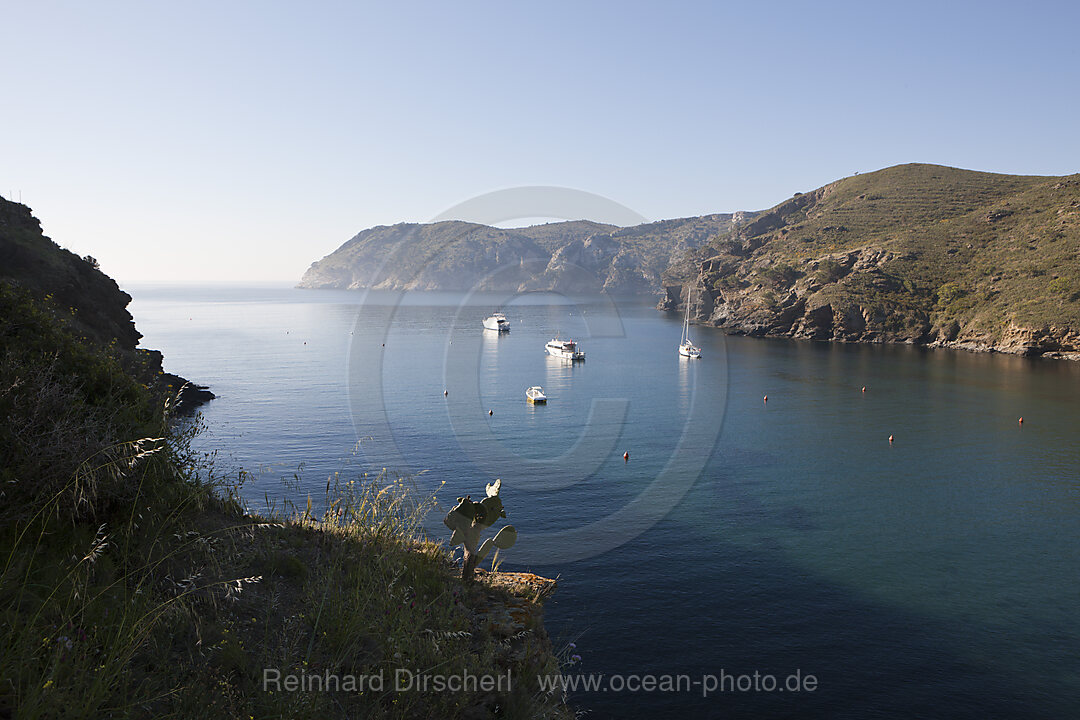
(240, 141)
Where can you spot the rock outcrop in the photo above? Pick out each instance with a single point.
(89, 301)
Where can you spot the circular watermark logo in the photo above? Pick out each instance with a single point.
(417, 257)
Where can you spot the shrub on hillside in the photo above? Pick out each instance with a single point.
(66, 409)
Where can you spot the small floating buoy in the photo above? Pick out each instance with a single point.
(765, 399)
(491, 412)
(626, 456)
(864, 388)
(890, 439)
(1021, 421)
(384, 344)
(445, 393)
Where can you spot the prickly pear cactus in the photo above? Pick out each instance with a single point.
(469, 519)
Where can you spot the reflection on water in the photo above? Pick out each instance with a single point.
(931, 577)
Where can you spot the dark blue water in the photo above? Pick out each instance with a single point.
(932, 577)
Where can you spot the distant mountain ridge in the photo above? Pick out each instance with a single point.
(917, 253)
(574, 256)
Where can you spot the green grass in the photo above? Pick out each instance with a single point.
(134, 584)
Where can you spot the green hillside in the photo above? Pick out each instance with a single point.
(913, 253)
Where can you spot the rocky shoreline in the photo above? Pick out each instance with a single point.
(916, 254)
(799, 317)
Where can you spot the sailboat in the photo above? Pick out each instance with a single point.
(686, 348)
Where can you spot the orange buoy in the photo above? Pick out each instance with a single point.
(766, 399)
(890, 439)
(626, 456)
(864, 388)
(491, 412)
(1021, 421)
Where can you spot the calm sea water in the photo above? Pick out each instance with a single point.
(932, 577)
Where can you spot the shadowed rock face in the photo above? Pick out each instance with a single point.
(88, 300)
(30, 259)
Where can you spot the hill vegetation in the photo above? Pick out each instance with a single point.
(915, 253)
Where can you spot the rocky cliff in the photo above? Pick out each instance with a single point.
(917, 254)
(577, 256)
(89, 301)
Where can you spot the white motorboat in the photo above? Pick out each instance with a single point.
(535, 395)
(565, 349)
(687, 348)
(498, 322)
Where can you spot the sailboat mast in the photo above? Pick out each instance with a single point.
(686, 320)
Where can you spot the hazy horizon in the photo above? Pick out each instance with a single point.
(243, 142)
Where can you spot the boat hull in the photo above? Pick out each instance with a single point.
(564, 355)
(689, 351)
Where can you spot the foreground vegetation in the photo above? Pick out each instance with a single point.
(134, 584)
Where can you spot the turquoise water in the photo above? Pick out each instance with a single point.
(933, 577)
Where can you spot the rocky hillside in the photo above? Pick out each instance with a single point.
(577, 256)
(918, 254)
(88, 301)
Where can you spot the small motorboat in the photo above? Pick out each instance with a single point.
(498, 322)
(535, 395)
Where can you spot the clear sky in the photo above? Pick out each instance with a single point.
(220, 141)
